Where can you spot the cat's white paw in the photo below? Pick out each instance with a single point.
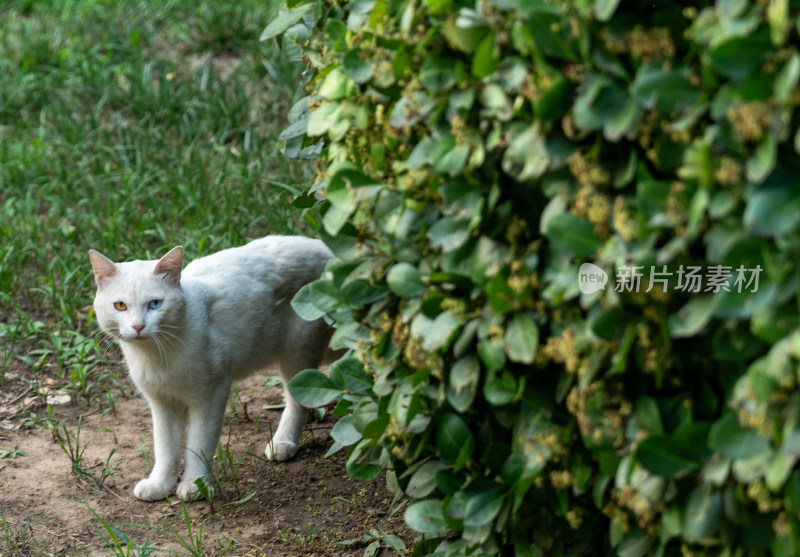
(188, 490)
(149, 489)
(280, 450)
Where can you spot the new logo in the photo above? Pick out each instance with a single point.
(591, 278)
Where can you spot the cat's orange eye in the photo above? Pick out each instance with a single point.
(120, 306)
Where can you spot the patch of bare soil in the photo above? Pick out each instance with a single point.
(307, 506)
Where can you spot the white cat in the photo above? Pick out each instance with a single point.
(187, 336)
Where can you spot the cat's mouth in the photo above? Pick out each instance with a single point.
(136, 338)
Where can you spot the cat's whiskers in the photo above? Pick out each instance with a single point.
(167, 341)
(176, 340)
(106, 339)
(162, 350)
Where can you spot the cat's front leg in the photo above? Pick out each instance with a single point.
(169, 423)
(205, 424)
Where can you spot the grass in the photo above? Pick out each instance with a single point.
(128, 127)
(14, 538)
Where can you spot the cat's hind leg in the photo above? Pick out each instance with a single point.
(285, 441)
(309, 343)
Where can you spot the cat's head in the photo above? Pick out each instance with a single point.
(137, 301)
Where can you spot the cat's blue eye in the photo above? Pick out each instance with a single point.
(154, 304)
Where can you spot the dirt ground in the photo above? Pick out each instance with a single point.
(307, 506)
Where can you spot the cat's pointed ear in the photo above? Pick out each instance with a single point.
(102, 266)
(170, 266)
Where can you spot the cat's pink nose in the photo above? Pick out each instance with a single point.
(138, 328)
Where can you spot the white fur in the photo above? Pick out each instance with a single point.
(225, 316)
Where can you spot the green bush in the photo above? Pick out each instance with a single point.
(472, 157)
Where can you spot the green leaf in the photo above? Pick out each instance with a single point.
(496, 102)
(360, 294)
(636, 543)
(434, 333)
(663, 90)
(663, 456)
(437, 74)
(448, 234)
(465, 38)
(423, 482)
(484, 61)
(336, 218)
(405, 280)
(610, 323)
(773, 324)
(774, 208)
(763, 160)
(464, 201)
(295, 36)
(296, 129)
(527, 157)
(731, 9)
(622, 122)
(453, 161)
(348, 185)
(692, 317)
(502, 297)
(522, 338)
(334, 33)
(313, 388)
(492, 354)
(739, 57)
(601, 101)
(356, 67)
(604, 9)
(482, 508)
(703, 512)
(573, 235)
(500, 388)
(426, 517)
(377, 427)
(284, 20)
(421, 155)
(463, 383)
(401, 63)
(363, 472)
(788, 78)
(334, 86)
(651, 197)
(349, 375)
(779, 21)
(345, 433)
(551, 34)
(648, 416)
(409, 110)
(779, 470)
(323, 118)
(556, 101)
(452, 435)
(728, 437)
(316, 299)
